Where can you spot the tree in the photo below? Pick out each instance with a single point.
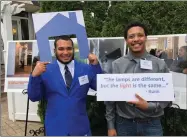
(93, 24)
(161, 17)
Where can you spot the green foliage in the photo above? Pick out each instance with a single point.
(166, 17)
(96, 114)
(93, 24)
(41, 110)
(175, 122)
(160, 17)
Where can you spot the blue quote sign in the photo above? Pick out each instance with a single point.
(59, 23)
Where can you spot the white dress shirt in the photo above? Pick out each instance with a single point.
(71, 67)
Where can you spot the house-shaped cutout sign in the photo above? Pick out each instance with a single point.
(59, 23)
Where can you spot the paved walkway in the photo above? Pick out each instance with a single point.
(17, 128)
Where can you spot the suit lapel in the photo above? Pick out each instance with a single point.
(77, 72)
(60, 78)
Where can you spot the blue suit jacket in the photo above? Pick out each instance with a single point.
(66, 110)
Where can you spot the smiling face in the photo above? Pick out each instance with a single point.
(136, 39)
(64, 51)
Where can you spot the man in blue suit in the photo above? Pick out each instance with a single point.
(64, 84)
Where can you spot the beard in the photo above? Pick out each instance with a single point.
(57, 57)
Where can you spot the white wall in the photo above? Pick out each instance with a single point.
(181, 41)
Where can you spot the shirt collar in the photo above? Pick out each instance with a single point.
(131, 57)
(70, 65)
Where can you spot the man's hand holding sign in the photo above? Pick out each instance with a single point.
(141, 103)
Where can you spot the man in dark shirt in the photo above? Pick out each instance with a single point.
(180, 63)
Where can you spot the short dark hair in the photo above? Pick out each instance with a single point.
(185, 48)
(63, 37)
(152, 52)
(134, 24)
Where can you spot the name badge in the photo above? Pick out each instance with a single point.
(146, 64)
(83, 80)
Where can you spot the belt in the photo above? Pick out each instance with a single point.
(143, 120)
